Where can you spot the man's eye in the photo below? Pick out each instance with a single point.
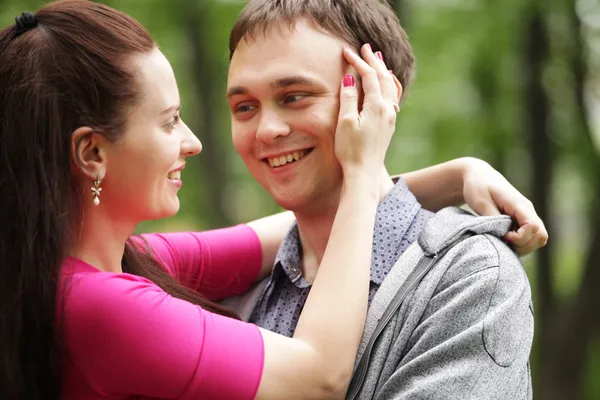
(244, 108)
(293, 98)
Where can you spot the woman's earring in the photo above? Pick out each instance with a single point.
(96, 189)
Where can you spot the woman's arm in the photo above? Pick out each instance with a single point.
(317, 363)
(437, 186)
(270, 231)
(218, 263)
(228, 270)
(165, 347)
(325, 341)
(485, 190)
(452, 183)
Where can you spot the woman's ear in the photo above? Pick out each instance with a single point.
(87, 151)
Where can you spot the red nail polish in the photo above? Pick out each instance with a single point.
(379, 55)
(369, 46)
(349, 80)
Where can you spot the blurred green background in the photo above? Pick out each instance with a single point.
(513, 82)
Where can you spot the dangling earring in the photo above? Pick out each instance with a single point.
(96, 189)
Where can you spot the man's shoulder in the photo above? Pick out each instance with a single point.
(466, 258)
(469, 243)
(479, 253)
(471, 311)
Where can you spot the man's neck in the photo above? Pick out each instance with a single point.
(314, 233)
(315, 228)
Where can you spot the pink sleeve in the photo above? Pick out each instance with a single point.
(128, 337)
(219, 263)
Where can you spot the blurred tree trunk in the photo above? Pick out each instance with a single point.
(564, 333)
(213, 159)
(579, 319)
(484, 74)
(536, 51)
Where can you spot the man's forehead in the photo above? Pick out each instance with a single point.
(276, 56)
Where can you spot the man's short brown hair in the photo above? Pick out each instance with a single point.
(354, 21)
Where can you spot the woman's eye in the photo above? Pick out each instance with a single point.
(171, 125)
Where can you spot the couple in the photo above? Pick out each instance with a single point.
(94, 144)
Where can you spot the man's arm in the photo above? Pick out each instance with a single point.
(473, 337)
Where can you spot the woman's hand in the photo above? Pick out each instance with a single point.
(473, 181)
(318, 361)
(487, 192)
(362, 138)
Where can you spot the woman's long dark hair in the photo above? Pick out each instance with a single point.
(68, 71)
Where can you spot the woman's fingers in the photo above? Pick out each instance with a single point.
(370, 80)
(363, 135)
(348, 116)
(389, 91)
(528, 238)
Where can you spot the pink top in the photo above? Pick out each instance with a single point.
(127, 338)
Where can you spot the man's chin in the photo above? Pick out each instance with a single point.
(293, 200)
(304, 205)
(291, 204)
(305, 200)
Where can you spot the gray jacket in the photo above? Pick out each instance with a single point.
(459, 321)
(452, 320)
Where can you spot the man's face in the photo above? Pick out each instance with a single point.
(283, 93)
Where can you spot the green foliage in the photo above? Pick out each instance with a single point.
(468, 100)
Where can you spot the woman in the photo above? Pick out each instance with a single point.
(93, 144)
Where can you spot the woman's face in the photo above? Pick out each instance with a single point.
(143, 168)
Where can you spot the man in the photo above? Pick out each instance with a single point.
(464, 327)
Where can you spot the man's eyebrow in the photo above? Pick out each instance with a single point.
(170, 110)
(278, 84)
(235, 90)
(294, 80)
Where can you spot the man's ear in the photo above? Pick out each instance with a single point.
(88, 153)
(399, 87)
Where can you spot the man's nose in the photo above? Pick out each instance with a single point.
(272, 125)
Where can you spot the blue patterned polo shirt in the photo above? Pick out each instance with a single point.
(399, 221)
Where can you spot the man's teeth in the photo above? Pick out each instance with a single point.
(288, 158)
(176, 175)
